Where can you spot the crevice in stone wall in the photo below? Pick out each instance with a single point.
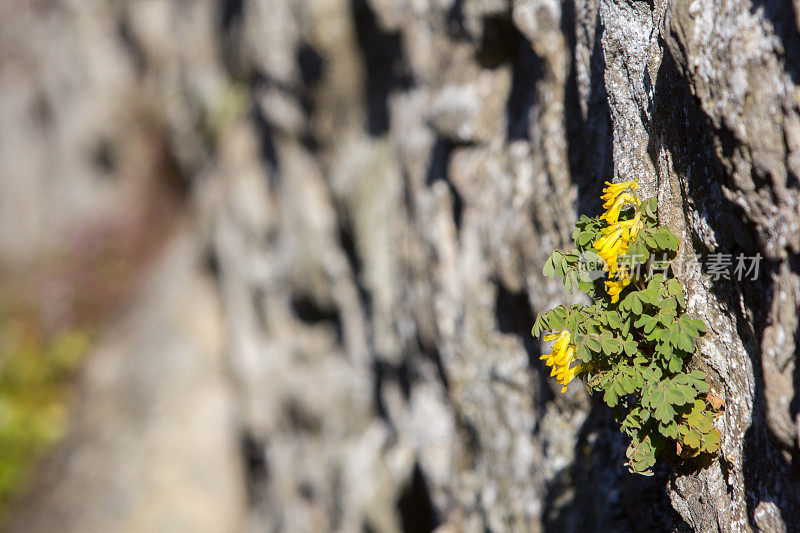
(347, 243)
(258, 297)
(104, 158)
(311, 65)
(312, 68)
(300, 418)
(256, 467)
(499, 41)
(431, 353)
(470, 439)
(456, 27)
(383, 372)
(794, 404)
(41, 110)
(310, 312)
(526, 72)
(174, 179)
(131, 44)
(269, 153)
(589, 139)
(230, 13)
(438, 170)
(229, 29)
(417, 513)
(210, 262)
(385, 66)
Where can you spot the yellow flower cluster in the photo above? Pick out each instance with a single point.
(618, 235)
(562, 355)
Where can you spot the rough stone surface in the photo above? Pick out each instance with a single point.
(378, 183)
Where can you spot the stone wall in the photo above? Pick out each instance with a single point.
(378, 183)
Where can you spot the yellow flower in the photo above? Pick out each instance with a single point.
(559, 347)
(635, 224)
(614, 287)
(615, 240)
(566, 374)
(562, 355)
(611, 245)
(612, 190)
(613, 208)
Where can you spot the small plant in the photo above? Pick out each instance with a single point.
(635, 342)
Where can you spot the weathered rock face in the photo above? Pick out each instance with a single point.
(379, 183)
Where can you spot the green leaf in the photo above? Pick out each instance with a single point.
(665, 239)
(536, 330)
(556, 318)
(614, 320)
(634, 421)
(641, 455)
(649, 240)
(675, 364)
(585, 238)
(685, 342)
(662, 396)
(650, 295)
(647, 323)
(593, 343)
(670, 429)
(678, 393)
(549, 269)
(627, 380)
(583, 353)
(664, 349)
(664, 411)
(570, 280)
(637, 254)
(610, 397)
(611, 346)
(693, 439)
(668, 308)
(586, 287)
(711, 441)
(560, 264)
(695, 328)
(674, 287)
(650, 209)
(695, 379)
(632, 304)
(630, 347)
(672, 241)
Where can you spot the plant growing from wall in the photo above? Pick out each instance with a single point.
(635, 343)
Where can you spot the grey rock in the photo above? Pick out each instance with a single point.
(380, 183)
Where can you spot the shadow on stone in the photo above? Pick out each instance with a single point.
(385, 66)
(687, 133)
(589, 138)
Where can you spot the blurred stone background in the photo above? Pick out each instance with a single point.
(271, 265)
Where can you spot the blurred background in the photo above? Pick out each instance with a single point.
(230, 252)
(272, 265)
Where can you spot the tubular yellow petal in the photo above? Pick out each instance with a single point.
(636, 226)
(613, 189)
(614, 287)
(612, 214)
(621, 186)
